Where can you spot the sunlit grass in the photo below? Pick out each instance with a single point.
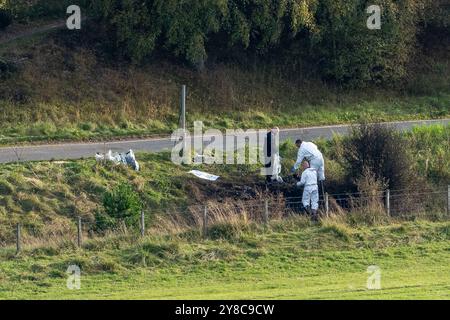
(281, 261)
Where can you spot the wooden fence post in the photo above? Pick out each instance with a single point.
(327, 204)
(142, 223)
(205, 221)
(448, 199)
(266, 211)
(79, 233)
(18, 238)
(388, 202)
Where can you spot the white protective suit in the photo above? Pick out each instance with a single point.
(311, 153)
(311, 191)
(276, 168)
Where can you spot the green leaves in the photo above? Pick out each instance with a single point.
(121, 204)
(339, 42)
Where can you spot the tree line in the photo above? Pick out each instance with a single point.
(331, 35)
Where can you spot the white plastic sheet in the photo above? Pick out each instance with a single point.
(204, 175)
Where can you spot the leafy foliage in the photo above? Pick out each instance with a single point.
(121, 204)
(185, 28)
(5, 18)
(330, 33)
(384, 153)
(349, 52)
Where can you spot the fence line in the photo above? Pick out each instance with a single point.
(394, 205)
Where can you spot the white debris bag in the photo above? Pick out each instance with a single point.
(131, 160)
(119, 158)
(204, 175)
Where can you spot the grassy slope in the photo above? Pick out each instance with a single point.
(287, 260)
(47, 196)
(62, 93)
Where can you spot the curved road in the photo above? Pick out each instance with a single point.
(65, 151)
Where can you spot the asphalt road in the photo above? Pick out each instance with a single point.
(66, 151)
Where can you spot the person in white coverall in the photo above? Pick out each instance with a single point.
(308, 151)
(310, 198)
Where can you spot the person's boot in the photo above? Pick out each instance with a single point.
(315, 216)
(308, 210)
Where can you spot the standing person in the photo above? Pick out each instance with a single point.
(272, 158)
(310, 197)
(308, 151)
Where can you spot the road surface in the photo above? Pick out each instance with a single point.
(66, 151)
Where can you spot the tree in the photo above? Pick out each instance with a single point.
(383, 152)
(122, 204)
(5, 18)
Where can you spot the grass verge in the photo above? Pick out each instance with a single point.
(285, 260)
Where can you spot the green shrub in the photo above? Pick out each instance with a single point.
(382, 151)
(331, 34)
(120, 205)
(6, 187)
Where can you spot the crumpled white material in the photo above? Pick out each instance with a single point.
(204, 175)
(119, 158)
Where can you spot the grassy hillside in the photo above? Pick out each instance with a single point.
(46, 197)
(285, 260)
(61, 86)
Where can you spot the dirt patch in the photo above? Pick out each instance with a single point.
(253, 188)
(17, 31)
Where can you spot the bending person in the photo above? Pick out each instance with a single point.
(310, 197)
(308, 151)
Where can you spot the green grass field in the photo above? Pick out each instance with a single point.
(286, 260)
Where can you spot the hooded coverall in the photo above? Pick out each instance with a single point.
(310, 196)
(311, 153)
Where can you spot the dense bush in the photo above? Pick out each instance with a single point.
(7, 68)
(5, 18)
(187, 28)
(351, 53)
(331, 34)
(384, 153)
(120, 205)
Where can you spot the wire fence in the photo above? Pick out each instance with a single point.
(399, 204)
